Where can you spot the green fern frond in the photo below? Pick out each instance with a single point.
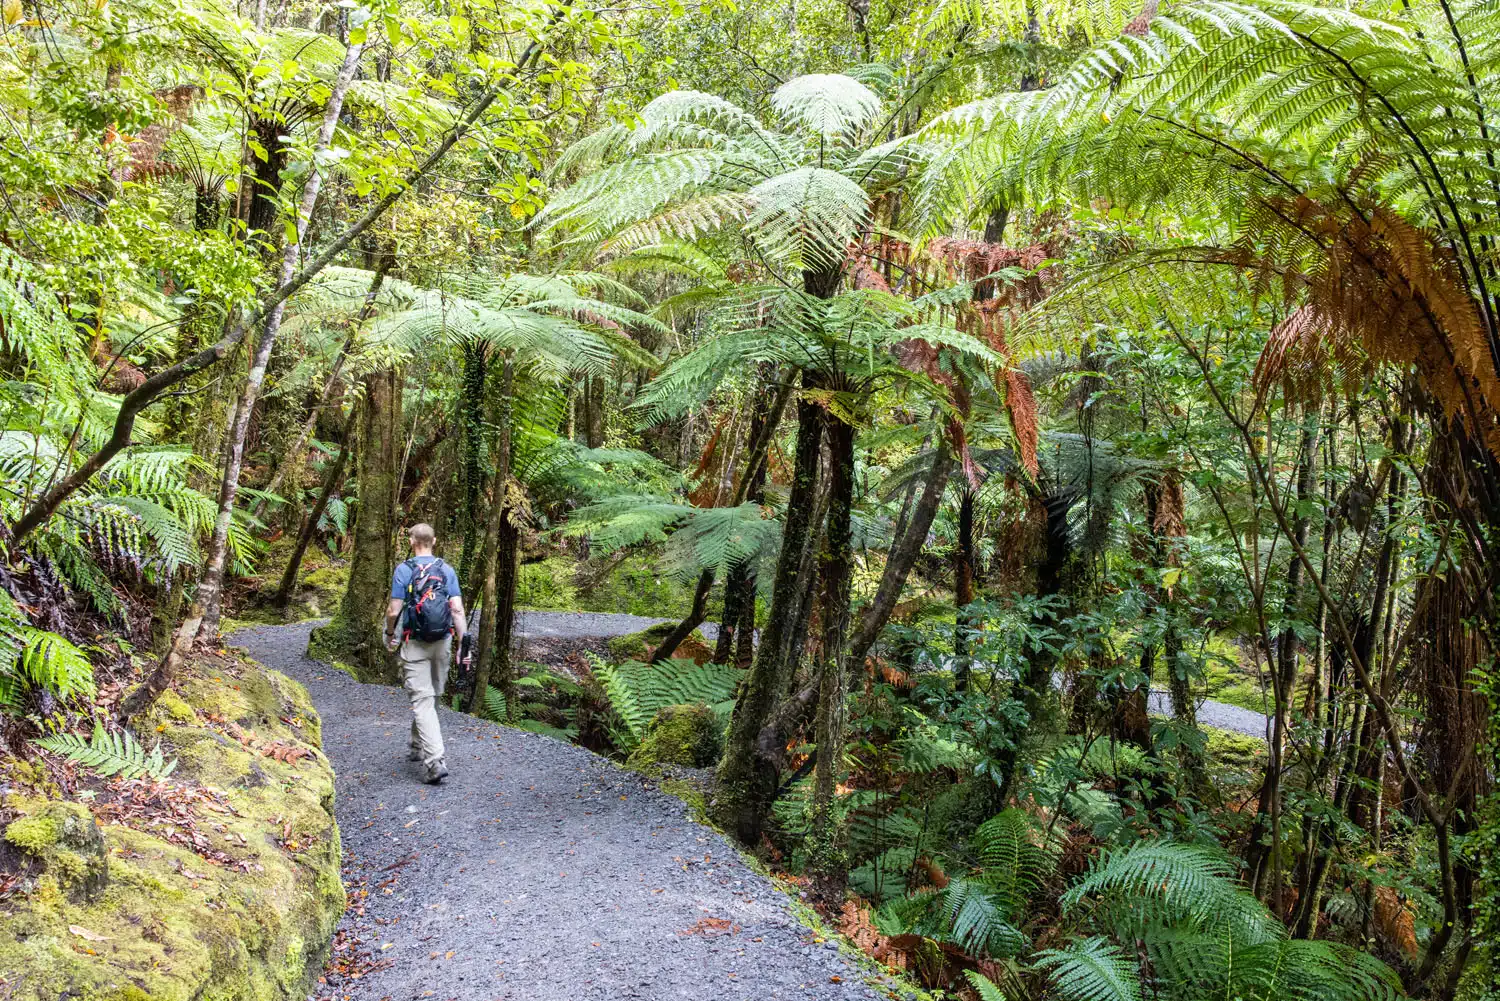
(980, 918)
(495, 706)
(983, 986)
(1091, 969)
(637, 692)
(111, 754)
(831, 106)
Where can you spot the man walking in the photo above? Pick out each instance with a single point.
(425, 612)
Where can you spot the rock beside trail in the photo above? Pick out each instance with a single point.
(220, 883)
(689, 736)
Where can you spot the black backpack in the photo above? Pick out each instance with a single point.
(427, 615)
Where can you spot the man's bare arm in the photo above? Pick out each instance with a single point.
(392, 614)
(460, 621)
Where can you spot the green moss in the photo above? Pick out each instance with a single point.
(639, 646)
(1233, 752)
(32, 834)
(65, 848)
(179, 927)
(548, 585)
(175, 708)
(688, 736)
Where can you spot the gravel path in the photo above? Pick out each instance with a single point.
(586, 625)
(538, 871)
(582, 625)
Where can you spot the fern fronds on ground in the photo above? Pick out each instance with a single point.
(110, 754)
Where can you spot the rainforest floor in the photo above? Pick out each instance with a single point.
(537, 871)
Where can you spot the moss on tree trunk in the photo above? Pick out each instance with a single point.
(354, 635)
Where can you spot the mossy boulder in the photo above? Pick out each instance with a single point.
(689, 736)
(640, 646)
(64, 850)
(237, 904)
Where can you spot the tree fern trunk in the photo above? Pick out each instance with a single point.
(963, 588)
(745, 782)
(499, 514)
(902, 557)
(354, 635)
(827, 858)
(473, 443)
(1034, 687)
(751, 478)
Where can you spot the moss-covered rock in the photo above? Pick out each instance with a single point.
(243, 913)
(640, 646)
(689, 736)
(64, 848)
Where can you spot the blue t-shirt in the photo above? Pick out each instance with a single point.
(403, 575)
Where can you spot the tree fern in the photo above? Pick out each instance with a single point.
(111, 754)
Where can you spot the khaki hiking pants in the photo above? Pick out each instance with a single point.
(424, 671)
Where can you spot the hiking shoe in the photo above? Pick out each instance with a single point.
(436, 772)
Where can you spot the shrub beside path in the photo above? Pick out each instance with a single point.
(538, 871)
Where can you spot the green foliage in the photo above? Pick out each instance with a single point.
(983, 986)
(495, 706)
(547, 585)
(34, 658)
(637, 692)
(107, 753)
(1091, 969)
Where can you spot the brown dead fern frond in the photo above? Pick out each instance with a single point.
(1374, 290)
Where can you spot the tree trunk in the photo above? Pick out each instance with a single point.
(762, 431)
(593, 427)
(963, 588)
(293, 458)
(1035, 684)
(355, 634)
(471, 421)
(1268, 812)
(331, 481)
(902, 557)
(489, 654)
(744, 782)
(827, 858)
(211, 587)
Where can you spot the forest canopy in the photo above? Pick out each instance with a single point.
(1062, 441)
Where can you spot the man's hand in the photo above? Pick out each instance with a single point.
(392, 641)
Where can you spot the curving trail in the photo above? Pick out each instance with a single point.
(538, 871)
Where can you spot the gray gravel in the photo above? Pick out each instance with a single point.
(538, 871)
(585, 625)
(1216, 714)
